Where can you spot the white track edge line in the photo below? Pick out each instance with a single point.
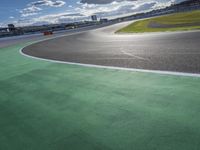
(105, 67)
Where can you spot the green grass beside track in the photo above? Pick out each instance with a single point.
(179, 20)
(49, 106)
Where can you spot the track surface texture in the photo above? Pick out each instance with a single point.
(169, 51)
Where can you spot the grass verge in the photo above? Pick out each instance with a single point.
(174, 22)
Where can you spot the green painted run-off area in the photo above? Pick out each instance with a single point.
(49, 106)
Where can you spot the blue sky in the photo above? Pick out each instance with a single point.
(37, 12)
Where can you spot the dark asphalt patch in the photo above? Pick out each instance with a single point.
(178, 52)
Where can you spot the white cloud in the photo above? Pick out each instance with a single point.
(2, 25)
(30, 11)
(84, 10)
(115, 8)
(121, 7)
(34, 8)
(51, 19)
(50, 3)
(102, 1)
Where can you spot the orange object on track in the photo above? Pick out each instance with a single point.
(48, 32)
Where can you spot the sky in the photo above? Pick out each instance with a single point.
(39, 12)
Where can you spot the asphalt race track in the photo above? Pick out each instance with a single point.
(171, 51)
